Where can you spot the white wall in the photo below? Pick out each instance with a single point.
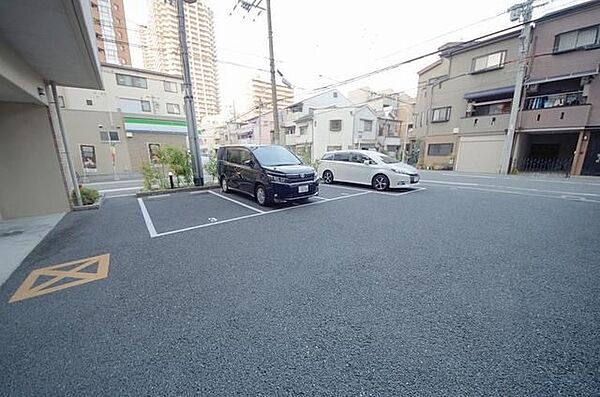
(109, 99)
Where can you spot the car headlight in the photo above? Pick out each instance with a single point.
(400, 172)
(274, 178)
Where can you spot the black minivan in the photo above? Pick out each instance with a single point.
(270, 173)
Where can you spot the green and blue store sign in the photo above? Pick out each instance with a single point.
(157, 126)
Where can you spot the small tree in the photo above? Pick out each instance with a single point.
(179, 162)
(211, 165)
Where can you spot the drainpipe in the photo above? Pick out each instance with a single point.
(63, 135)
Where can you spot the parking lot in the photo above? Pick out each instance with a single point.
(469, 285)
(182, 212)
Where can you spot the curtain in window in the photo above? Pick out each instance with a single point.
(587, 37)
(567, 41)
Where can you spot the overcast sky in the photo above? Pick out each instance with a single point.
(319, 42)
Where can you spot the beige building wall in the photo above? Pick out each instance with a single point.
(82, 129)
(29, 160)
(138, 146)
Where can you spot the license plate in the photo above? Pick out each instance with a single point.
(303, 189)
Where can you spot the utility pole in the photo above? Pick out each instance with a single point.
(245, 5)
(522, 11)
(273, 80)
(190, 113)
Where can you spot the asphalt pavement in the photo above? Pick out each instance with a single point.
(454, 290)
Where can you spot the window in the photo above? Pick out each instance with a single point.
(271, 156)
(234, 156)
(439, 115)
(88, 157)
(328, 156)
(89, 102)
(344, 156)
(335, 125)
(153, 152)
(109, 136)
(170, 86)
(173, 108)
(488, 62)
(576, 39)
(380, 130)
(366, 125)
(145, 106)
(358, 158)
(334, 147)
(61, 101)
(131, 81)
(335, 94)
(489, 108)
(296, 108)
(440, 149)
(303, 129)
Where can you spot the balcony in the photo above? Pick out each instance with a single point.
(483, 124)
(559, 117)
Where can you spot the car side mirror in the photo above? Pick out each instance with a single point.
(367, 162)
(249, 163)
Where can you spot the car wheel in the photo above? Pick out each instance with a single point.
(328, 177)
(224, 185)
(381, 182)
(261, 196)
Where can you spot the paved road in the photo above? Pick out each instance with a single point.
(447, 291)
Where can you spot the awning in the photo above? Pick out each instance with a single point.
(573, 75)
(494, 93)
(155, 126)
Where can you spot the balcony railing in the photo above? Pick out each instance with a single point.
(554, 100)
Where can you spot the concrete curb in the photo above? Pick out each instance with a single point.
(94, 206)
(177, 190)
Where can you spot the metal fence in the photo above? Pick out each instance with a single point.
(545, 165)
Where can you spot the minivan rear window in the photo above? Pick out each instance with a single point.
(328, 156)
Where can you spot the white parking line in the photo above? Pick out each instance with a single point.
(147, 219)
(472, 176)
(450, 183)
(112, 182)
(414, 190)
(563, 197)
(319, 198)
(235, 201)
(187, 229)
(119, 195)
(158, 196)
(347, 188)
(514, 188)
(120, 189)
(199, 192)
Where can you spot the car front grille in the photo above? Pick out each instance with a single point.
(293, 178)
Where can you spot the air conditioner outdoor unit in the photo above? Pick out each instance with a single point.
(129, 134)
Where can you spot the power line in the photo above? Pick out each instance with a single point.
(419, 57)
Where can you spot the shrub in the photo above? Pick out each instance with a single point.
(88, 196)
(211, 165)
(179, 162)
(152, 177)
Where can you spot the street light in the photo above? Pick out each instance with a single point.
(190, 112)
